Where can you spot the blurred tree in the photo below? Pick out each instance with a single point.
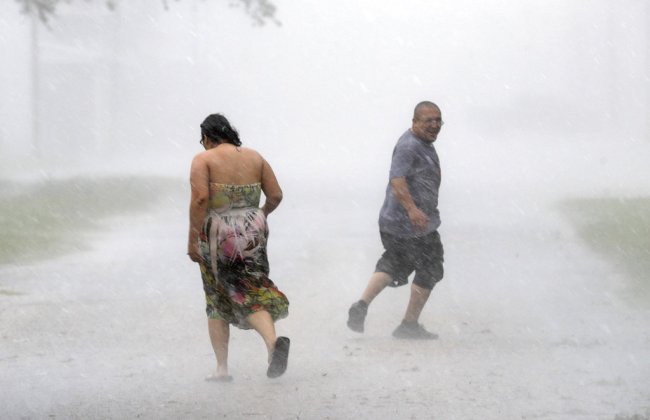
(261, 11)
(41, 11)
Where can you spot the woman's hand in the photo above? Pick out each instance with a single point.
(194, 253)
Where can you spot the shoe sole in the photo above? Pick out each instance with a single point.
(279, 358)
(355, 326)
(410, 337)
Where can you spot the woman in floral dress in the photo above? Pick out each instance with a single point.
(227, 237)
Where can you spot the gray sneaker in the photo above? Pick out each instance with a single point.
(357, 316)
(413, 331)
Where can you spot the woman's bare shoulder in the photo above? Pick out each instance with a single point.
(200, 157)
(249, 150)
(252, 154)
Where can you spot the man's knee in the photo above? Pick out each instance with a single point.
(428, 280)
(428, 284)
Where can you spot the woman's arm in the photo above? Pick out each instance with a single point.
(200, 184)
(271, 189)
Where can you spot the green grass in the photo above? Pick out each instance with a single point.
(51, 218)
(619, 230)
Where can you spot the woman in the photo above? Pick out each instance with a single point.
(227, 237)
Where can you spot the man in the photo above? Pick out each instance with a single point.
(408, 223)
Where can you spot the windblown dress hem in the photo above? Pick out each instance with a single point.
(235, 265)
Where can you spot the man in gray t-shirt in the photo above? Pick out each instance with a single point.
(408, 223)
(416, 161)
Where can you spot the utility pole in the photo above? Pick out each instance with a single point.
(647, 71)
(35, 96)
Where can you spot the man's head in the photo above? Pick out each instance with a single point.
(427, 121)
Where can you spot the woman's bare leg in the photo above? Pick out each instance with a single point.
(219, 331)
(262, 322)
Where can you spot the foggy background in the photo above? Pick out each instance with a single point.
(543, 102)
(539, 91)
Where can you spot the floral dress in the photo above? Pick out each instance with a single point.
(235, 268)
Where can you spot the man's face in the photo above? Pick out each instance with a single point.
(427, 124)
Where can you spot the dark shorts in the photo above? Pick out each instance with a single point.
(403, 256)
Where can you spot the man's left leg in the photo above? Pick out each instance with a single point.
(410, 328)
(419, 297)
(429, 270)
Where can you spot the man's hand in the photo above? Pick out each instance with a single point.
(419, 219)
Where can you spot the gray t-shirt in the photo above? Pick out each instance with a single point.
(417, 161)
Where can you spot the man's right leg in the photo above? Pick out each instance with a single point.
(378, 282)
(357, 313)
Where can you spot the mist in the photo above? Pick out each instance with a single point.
(337, 79)
(544, 308)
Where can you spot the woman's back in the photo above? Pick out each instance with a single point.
(231, 165)
(227, 237)
(224, 164)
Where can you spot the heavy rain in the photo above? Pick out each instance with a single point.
(544, 309)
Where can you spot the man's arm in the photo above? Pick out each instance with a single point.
(400, 188)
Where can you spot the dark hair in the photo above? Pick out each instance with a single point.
(217, 128)
(424, 104)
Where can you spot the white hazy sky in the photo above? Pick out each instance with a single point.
(329, 90)
(548, 83)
